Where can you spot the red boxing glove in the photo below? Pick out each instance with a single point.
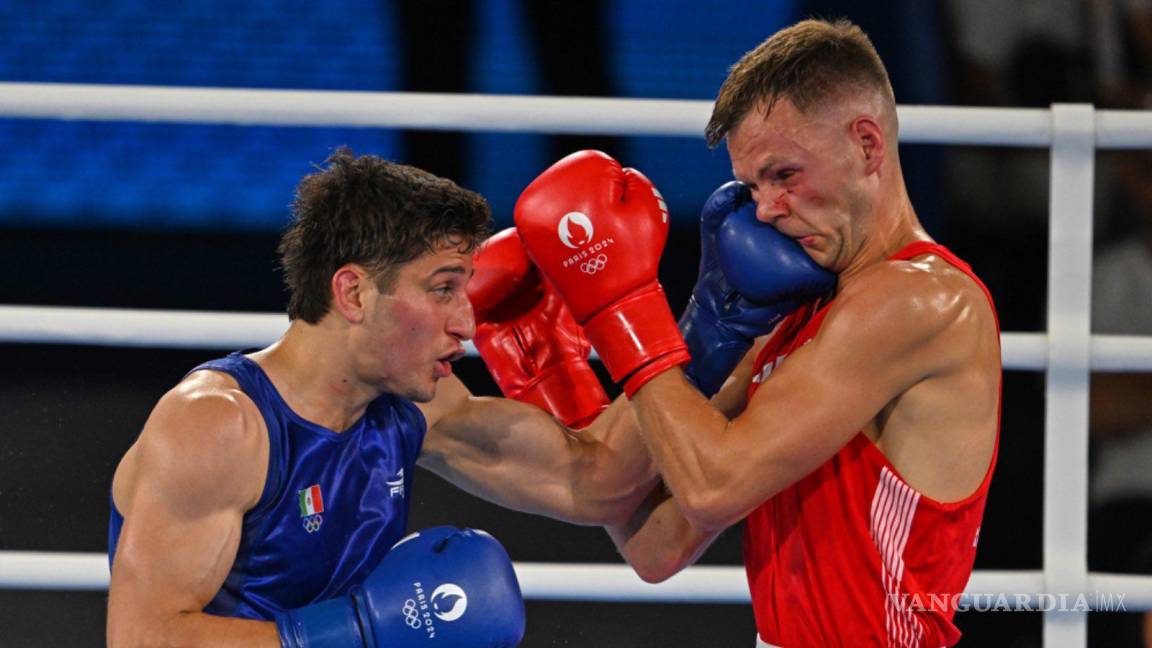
(596, 231)
(536, 352)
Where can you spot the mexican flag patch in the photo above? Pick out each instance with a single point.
(311, 502)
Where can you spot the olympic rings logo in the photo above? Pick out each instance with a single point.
(411, 614)
(312, 523)
(594, 265)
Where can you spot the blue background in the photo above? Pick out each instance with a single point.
(164, 176)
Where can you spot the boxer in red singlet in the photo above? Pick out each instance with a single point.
(859, 438)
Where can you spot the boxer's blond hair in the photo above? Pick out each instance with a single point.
(809, 64)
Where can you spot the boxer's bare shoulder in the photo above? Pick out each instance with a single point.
(206, 429)
(938, 326)
(925, 298)
(183, 489)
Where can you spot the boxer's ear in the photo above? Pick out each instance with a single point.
(870, 141)
(349, 284)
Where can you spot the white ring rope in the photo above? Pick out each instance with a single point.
(583, 582)
(219, 330)
(509, 113)
(140, 328)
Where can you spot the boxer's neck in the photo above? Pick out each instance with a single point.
(315, 377)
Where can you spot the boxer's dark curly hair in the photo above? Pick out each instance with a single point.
(808, 63)
(375, 213)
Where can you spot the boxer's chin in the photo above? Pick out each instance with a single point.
(421, 393)
(423, 396)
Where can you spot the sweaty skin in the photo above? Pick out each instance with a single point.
(201, 459)
(908, 353)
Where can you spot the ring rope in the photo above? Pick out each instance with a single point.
(1115, 129)
(587, 582)
(220, 330)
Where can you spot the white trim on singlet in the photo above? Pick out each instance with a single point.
(893, 507)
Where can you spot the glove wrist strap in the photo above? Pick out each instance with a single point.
(327, 624)
(637, 332)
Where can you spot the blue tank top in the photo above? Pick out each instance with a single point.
(333, 503)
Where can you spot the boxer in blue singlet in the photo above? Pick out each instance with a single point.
(261, 503)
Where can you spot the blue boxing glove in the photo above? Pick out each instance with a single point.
(440, 587)
(750, 277)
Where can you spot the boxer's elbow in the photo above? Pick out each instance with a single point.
(605, 497)
(127, 627)
(657, 566)
(185, 628)
(135, 619)
(709, 510)
(653, 573)
(602, 511)
(136, 633)
(139, 625)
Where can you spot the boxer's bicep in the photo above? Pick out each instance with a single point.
(198, 466)
(520, 457)
(510, 453)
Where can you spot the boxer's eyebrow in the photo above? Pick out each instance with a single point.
(453, 268)
(769, 164)
(762, 169)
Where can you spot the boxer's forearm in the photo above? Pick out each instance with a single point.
(619, 472)
(518, 456)
(191, 629)
(609, 470)
(685, 435)
(657, 540)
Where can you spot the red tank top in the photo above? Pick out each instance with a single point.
(851, 554)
